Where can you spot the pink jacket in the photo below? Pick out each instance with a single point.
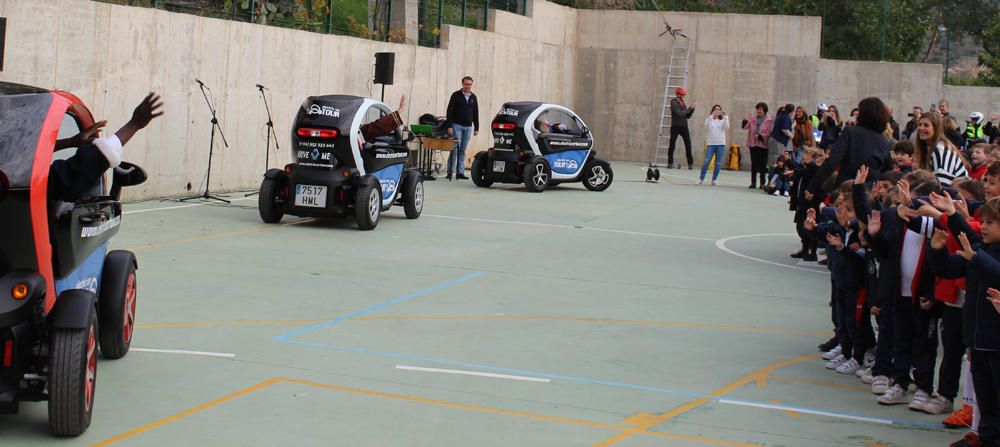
(765, 131)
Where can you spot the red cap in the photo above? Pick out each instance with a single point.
(682, 91)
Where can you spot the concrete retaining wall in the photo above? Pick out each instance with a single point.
(607, 65)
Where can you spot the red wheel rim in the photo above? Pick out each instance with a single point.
(88, 387)
(128, 319)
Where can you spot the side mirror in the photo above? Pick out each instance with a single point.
(126, 174)
(585, 130)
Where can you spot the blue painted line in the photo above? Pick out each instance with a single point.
(286, 336)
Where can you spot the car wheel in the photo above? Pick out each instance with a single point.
(267, 201)
(537, 174)
(413, 195)
(72, 378)
(116, 305)
(368, 206)
(479, 177)
(597, 175)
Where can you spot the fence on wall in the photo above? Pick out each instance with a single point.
(367, 19)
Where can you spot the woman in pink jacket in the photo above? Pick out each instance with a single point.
(758, 127)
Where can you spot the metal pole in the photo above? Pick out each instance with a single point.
(947, 54)
(885, 26)
(463, 12)
(329, 17)
(822, 31)
(440, 12)
(486, 13)
(524, 7)
(253, 9)
(388, 23)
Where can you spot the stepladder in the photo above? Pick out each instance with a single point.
(675, 77)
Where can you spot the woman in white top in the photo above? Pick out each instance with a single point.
(715, 144)
(933, 152)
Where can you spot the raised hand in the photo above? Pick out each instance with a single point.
(943, 203)
(150, 108)
(966, 252)
(928, 210)
(962, 207)
(904, 191)
(402, 104)
(905, 212)
(861, 176)
(835, 241)
(994, 296)
(874, 223)
(939, 240)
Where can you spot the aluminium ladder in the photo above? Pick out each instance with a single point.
(676, 77)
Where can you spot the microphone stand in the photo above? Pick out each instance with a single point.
(270, 133)
(211, 147)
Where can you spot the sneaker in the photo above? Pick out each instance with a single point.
(700, 182)
(798, 255)
(821, 261)
(869, 359)
(920, 400)
(784, 193)
(960, 418)
(868, 378)
(971, 439)
(828, 345)
(938, 405)
(715, 183)
(836, 362)
(850, 366)
(880, 384)
(893, 396)
(833, 353)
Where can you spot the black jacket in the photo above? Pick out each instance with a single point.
(679, 114)
(462, 112)
(856, 146)
(980, 274)
(73, 177)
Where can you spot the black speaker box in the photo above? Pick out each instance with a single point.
(384, 67)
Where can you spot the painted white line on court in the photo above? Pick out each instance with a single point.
(721, 245)
(806, 411)
(177, 207)
(473, 373)
(578, 227)
(183, 352)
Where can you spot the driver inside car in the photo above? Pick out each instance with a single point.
(385, 125)
(74, 177)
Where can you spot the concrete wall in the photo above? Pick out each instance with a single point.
(607, 65)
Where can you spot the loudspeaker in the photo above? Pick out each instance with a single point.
(384, 67)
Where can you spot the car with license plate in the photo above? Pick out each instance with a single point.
(541, 145)
(336, 173)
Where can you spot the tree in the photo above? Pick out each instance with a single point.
(989, 59)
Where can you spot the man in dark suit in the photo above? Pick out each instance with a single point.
(463, 119)
(679, 115)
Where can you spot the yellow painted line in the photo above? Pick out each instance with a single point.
(509, 318)
(209, 237)
(819, 382)
(791, 413)
(646, 422)
(144, 428)
(873, 444)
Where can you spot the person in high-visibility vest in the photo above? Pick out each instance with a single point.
(817, 117)
(974, 127)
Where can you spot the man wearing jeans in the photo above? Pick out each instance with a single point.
(463, 121)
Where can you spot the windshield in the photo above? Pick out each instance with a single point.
(21, 118)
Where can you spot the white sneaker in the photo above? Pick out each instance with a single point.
(880, 384)
(850, 366)
(868, 378)
(939, 405)
(869, 358)
(700, 182)
(893, 396)
(715, 183)
(861, 372)
(833, 353)
(920, 399)
(836, 362)
(784, 193)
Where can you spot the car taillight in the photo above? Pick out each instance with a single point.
(503, 126)
(310, 132)
(8, 353)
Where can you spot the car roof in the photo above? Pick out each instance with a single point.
(9, 89)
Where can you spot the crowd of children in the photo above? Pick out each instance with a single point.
(916, 245)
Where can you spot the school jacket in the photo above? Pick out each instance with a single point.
(981, 273)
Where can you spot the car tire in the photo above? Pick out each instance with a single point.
(597, 175)
(479, 174)
(267, 201)
(368, 206)
(537, 174)
(116, 305)
(413, 195)
(72, 378)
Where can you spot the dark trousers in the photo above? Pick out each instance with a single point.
(856, 335)
(686, 135)
(758, 165)
(808, 243)
(986, 381)
(951, 360)
(883, 348)
(914, 345)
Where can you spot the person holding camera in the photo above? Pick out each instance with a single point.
(758, 127)
(717, 122)
(911, 125)
(830, 125)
